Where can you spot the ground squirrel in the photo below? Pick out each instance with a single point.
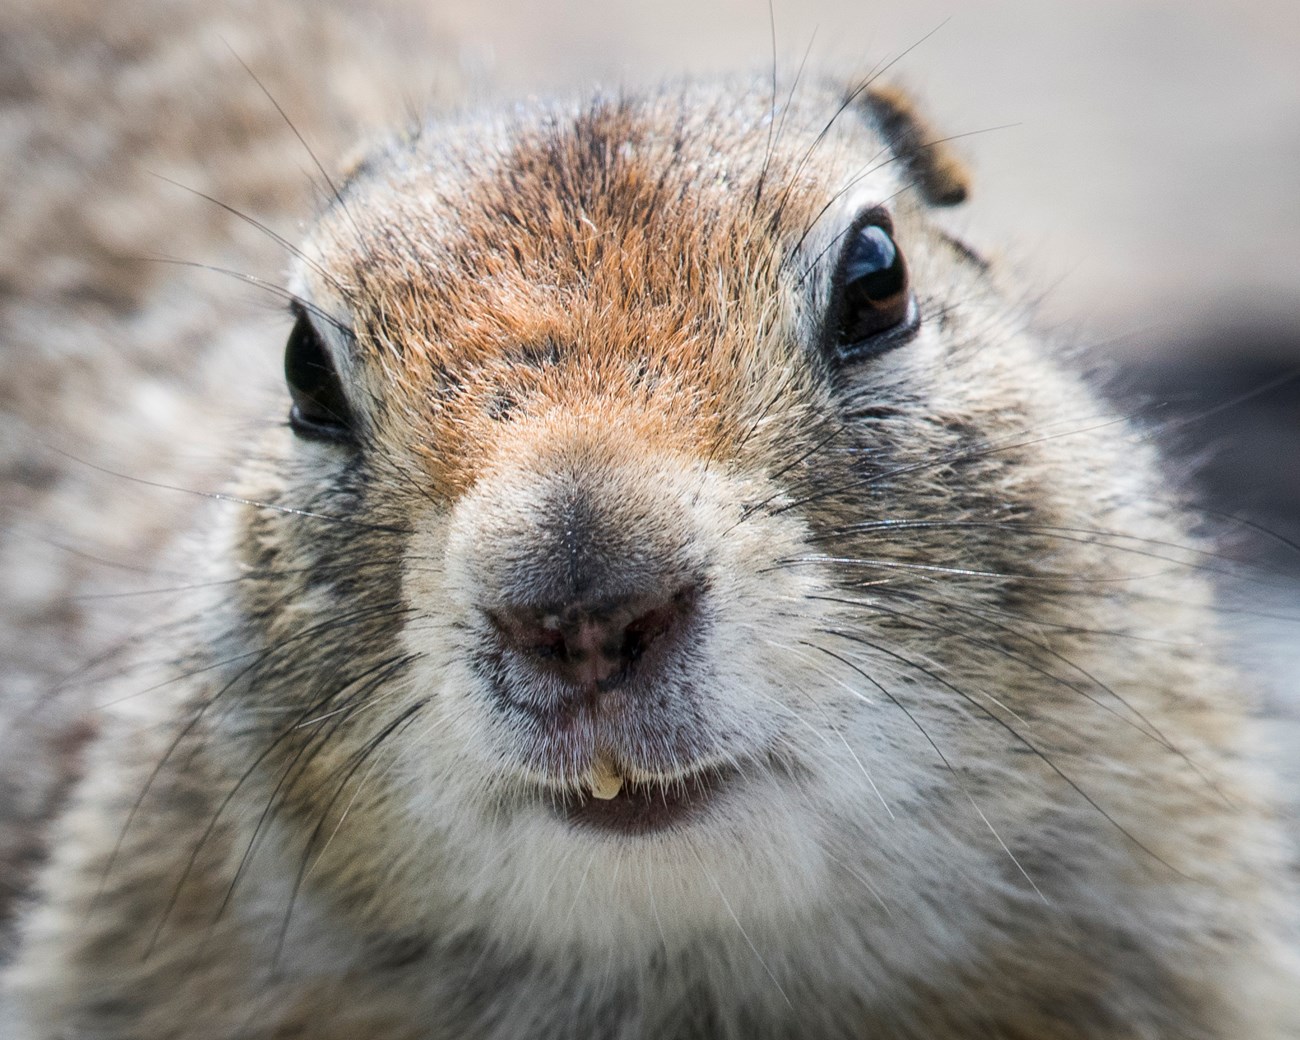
(683, 602)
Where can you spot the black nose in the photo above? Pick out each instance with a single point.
(596, 646)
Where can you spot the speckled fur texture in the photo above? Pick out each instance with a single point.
(944, 707)
(121, 361)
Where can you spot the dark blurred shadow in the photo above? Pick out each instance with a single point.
(1226, 404)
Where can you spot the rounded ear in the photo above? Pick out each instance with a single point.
(941, 178)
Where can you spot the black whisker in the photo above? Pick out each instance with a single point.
(843, 107)
(338, 197)
(219, 496)
(258, 283)
(937, 750)
(400, 722)
(253, 222)
(1015, 734)
(375, 677)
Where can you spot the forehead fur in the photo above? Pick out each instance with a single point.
(631, 265)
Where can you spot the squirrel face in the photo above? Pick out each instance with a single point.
(683, 602)
(668, 440)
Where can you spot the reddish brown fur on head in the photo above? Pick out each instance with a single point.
(596, 346)
(583, 279)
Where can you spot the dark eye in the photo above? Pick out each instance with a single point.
(873, 309)
(320, 410)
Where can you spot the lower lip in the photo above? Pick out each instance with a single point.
(648, 808)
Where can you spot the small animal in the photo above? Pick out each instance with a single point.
(674, 596)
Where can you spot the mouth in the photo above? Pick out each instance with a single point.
(619, 805)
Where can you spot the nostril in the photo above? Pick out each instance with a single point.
(593, 645)
(644, 629)
(539, 640)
